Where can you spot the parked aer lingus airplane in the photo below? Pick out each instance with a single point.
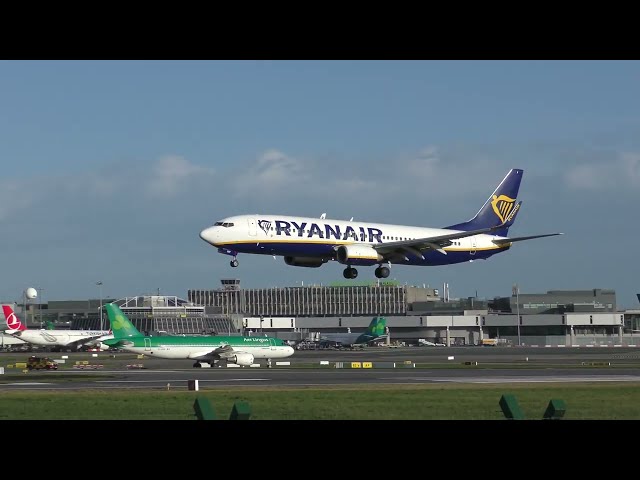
(311, 242)
(203, 349)
(375, 331)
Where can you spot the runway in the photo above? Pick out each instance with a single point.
(425, 365)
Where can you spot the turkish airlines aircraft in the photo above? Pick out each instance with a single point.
(72, 339)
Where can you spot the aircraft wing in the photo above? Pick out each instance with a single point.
(416, 246)
(83, 341)
(503, 241)
(118, 342)
(222, 351)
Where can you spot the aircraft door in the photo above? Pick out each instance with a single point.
(147, 344)
(473, 246)
(252, 226)
(272, 344)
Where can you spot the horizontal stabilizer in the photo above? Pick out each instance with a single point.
(503, 241)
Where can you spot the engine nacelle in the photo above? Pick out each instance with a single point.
(358, 255)
(311, 262)
(245, 359)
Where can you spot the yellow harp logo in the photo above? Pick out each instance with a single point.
(502, 205)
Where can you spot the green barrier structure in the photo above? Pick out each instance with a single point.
(555, 410)
(240, 411)
(204, 409)
(510, 407)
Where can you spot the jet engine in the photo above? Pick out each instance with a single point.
(312, 262)
(244, 359)
(358, 254)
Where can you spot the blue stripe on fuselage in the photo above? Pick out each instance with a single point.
(323, 250)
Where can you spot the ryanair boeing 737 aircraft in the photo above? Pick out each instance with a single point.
(311, 242)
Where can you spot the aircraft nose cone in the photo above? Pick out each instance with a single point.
(208, 235)
(290, 351)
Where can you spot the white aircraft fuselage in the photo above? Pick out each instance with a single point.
(62, 338)
(311, 242)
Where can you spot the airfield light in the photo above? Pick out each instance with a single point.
(516, 292)
(99, 284)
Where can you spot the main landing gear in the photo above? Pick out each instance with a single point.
(350, 272)
(204, 364)
(234, 263)
(382, 272)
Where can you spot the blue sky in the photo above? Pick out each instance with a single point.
(110, 169)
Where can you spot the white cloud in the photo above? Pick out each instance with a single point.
(586, 177)
(423, 176)
(104, 185)
(631, 163)
(274, 173)
(425, 165)
(622, 172)
(15, 196)
(173, 174)
(434, 176)
(355, 185)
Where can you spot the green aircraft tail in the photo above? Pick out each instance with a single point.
(376, 329)
(377, 326)
(50, 325)
(121, 326)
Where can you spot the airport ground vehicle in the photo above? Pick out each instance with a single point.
(40, 363)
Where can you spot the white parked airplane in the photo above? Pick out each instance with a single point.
(375, 331)
(308, 242)
(71, 339)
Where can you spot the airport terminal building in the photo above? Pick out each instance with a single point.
(555, 318)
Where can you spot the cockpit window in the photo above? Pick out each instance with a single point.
(223, 224)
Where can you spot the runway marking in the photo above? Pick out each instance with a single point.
(614, 378)
(183, 380)
(621, 378)
(27, 383)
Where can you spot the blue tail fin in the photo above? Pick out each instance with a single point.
(499, 208)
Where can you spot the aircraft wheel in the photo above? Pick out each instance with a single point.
(384, 272)
(197, 365)
(350, 272)
(234, 263)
